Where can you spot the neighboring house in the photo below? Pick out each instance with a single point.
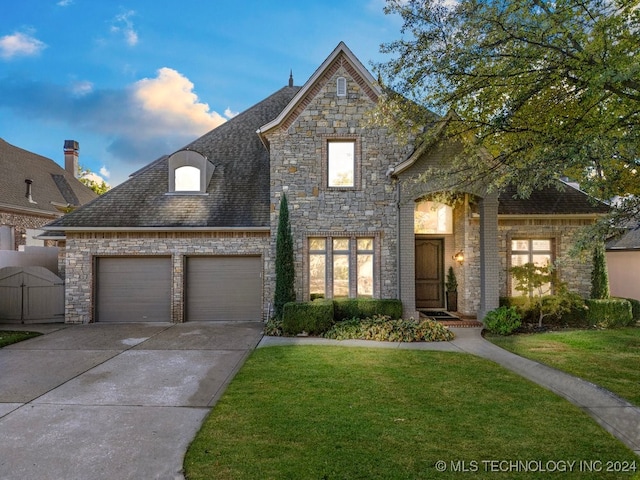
(34, 190)
(192, 235)
(623, 264)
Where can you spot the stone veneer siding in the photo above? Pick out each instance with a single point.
(298, 168)
(22, 222)
(83, 248)
(573, 269)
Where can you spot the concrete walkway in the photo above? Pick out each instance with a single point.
(100, 401)
(617, 416)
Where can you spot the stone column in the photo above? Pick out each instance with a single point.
(489, 260)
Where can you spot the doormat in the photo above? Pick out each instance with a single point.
(438, 314)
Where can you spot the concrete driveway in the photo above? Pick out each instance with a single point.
(105, 401)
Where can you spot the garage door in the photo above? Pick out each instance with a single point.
(224, 289)
(133, 289)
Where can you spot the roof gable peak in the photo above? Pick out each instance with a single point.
(341, 56)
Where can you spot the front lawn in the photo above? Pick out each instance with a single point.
(9, 337)
(609, 358)
(311, 412)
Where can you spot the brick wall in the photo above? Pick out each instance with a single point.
(22, 222)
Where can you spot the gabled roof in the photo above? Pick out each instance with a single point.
(51, 184)
(237, 195)
(550, 200)
(340, 57)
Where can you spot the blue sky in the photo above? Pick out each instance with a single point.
(135, 79)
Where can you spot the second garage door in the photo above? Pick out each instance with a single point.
(224, 289)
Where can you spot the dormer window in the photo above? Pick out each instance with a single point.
(189, 173)
(187, 179)
(341, 87)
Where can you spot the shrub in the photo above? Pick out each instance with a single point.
(635, 308)
(502, 320)
(310, 317)
(383, 329)
(345, 308)
(599, 277)
(285, 272)
(609, 313)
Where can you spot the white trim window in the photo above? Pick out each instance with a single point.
(341, 87)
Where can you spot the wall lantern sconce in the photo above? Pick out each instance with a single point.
(459, 257)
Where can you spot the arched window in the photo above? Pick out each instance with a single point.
(433, 217)
(187, 179)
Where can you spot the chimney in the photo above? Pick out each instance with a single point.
(28, 194)
(71, 149)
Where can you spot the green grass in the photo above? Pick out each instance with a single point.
(9, 337)
(609, 358)
(309, 412)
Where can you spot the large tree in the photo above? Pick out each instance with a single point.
(550, 88)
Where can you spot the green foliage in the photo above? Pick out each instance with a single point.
(635, 308)
(285, 271)
(85, 177)
(9, 337)
(309, 317)
(599, 277)
(451, 283)
(383, 329)
(549, 88)
(502, 320)
(345, 308)
(571, 311)
(609, 313)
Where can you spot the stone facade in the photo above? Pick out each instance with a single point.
(21, 222)
(82, 249)
(298, 152)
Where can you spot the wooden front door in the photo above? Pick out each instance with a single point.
(429, 273)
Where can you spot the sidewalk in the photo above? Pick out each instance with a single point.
(615, 415)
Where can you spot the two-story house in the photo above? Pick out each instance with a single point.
(192, 235)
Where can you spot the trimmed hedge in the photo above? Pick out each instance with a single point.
(635, 308)
(609, 313)
(310, 317)
(348, 308)
(385, 329)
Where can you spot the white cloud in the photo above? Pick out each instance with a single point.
(169, 99)
(20, 44)
(64, 3)
(229, 113)
(104, 172)
(124, 25)
(94, 177)
(81, 88)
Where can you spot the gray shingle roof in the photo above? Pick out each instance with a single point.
(238, 193)
(550, 201)
(630, 240)
(51, 182)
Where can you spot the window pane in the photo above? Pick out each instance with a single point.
(520, 245)
(187, 179)
(341, 275)
(544, 245)
(317, 275)
(318, 244)
(433, 217)
(341, 164)
(340, 244)
(541, 259)
(518, 260)
(365, 244)
(365, 275)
